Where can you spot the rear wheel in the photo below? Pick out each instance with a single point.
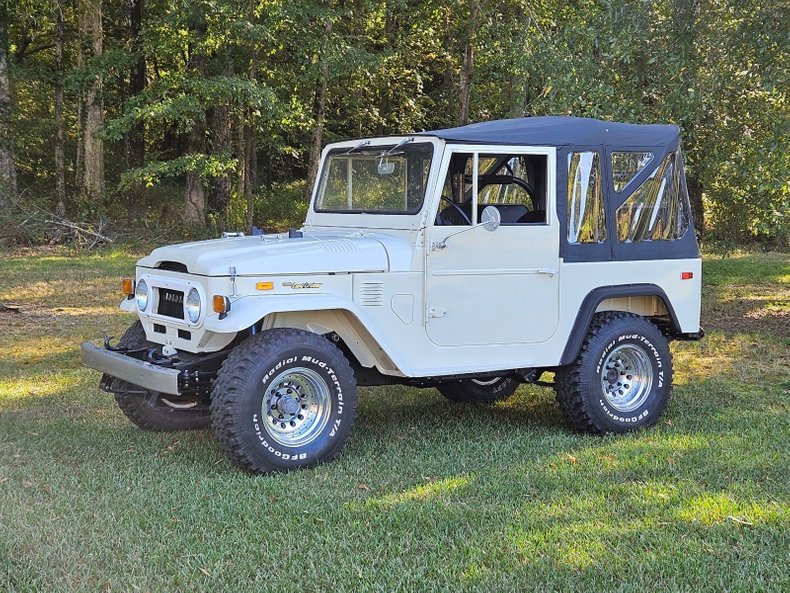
(151, 410)
(621, 379)
(479, 391)
(283, 399)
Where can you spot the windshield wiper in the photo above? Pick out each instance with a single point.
(356, 147)
(397, 146)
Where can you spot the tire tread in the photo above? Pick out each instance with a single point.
(229, 392)
(570, 384)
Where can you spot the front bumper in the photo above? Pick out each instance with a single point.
(137, 372)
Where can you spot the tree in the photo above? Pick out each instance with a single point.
(319, 110)
(92, 161)
(8, 184)
(60, 166)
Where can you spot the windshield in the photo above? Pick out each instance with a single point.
(388, 179)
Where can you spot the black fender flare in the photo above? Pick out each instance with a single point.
(595, 298)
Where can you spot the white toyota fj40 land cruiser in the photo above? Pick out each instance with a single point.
(469, 259)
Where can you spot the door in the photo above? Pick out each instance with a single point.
(494, 287)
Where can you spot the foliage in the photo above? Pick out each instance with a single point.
(232, 89)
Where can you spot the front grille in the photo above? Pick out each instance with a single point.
(171, 303)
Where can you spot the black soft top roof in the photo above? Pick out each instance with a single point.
(558, 130)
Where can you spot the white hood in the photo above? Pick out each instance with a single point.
(277, 254)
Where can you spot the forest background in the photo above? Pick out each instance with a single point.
(187, 117)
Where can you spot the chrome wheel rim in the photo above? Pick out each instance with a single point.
(626, 378)
(296, 406)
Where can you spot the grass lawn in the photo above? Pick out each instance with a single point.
(428, 496)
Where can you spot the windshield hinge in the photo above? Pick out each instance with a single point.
(232, 271)
(436, 312)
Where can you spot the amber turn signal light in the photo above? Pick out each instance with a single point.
(127, 286)
(221, 304)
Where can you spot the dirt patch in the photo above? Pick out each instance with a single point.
(761, 309)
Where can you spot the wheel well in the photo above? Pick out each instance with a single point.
(647, 300)
(358, 341)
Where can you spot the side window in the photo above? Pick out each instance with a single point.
(586, 214)
(626, 166)
(658, 209)
(514, 184)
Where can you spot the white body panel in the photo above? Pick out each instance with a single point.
(408, 297)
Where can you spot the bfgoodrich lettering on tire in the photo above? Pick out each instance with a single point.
(621, 379)
(283, 399)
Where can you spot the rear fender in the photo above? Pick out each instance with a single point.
(609, 296)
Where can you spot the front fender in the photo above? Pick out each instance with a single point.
(248, 310)
(361, 336)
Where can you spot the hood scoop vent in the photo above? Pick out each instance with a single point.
(173, 266)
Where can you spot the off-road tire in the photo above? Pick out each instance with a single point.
(257, 373)
(151, 411)
(469, 391)
(581, 387)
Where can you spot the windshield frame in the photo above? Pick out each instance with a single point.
(378, 147)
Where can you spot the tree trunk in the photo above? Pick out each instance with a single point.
(390, 35)
(194, 192)
(319, 115)
(8, 186)
(248, 172)
(60, 167)
(465, 84)
(135, 138)
(194, 201)
(221, 139)
(92, 145)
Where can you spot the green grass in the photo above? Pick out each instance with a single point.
(428, 496)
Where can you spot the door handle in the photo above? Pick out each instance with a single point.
(548, 272)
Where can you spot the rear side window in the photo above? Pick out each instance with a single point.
(626, 166)
(586, 216)
(658, 209)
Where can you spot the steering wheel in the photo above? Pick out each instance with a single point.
(489, 179)
(464, 215)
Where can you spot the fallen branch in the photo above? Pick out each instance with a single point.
(80, 230)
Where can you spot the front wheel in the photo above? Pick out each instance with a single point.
(283, 399)
(151, 410)
(621, 379)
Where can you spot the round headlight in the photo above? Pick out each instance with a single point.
(141, 294)
(192, 305)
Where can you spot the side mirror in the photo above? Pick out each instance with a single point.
(491, 218)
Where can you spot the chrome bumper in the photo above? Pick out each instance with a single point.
(137, 372)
